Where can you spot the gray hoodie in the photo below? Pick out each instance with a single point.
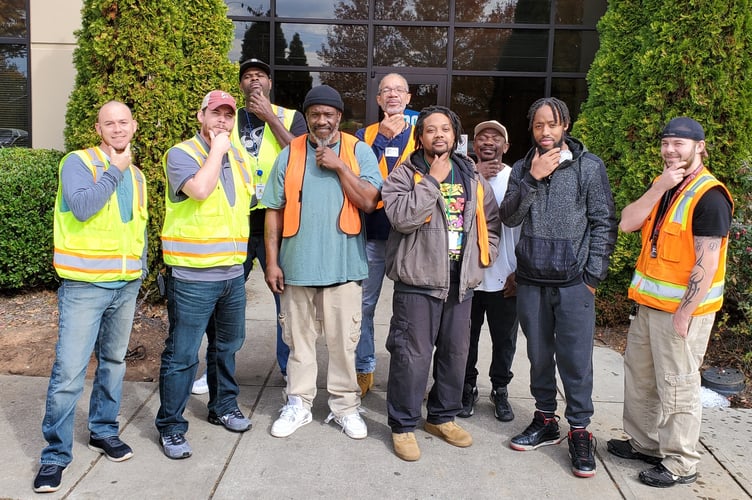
(568, 220)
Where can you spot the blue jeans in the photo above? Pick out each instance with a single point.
(256, 250)
(195, 307)
(365, 354)
(91, 319)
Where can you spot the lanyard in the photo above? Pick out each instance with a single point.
(662, 217)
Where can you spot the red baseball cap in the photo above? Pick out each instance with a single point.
(217, 98)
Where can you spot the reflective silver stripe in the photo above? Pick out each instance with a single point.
(205, 247)
(682, 208)
(98, 263)
(668, 291)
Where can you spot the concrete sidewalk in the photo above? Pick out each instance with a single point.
(319, 461)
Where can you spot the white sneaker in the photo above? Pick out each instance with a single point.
(293, 416)
(200, 386)
(352, 424)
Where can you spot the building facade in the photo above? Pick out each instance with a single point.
(485, 59)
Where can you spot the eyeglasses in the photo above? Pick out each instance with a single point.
(398, 90)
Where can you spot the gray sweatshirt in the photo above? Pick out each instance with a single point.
(568, 220)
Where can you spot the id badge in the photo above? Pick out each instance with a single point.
(391, 152)
(454, 240)
(260, 190)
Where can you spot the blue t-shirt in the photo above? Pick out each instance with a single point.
(320, 254)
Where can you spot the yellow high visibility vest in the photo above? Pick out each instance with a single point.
(211, 232)
(261, 166)
(102, 248)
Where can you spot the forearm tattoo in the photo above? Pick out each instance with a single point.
(702, 244)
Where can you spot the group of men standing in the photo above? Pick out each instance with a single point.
(328, 215)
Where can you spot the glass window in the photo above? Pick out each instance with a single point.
(251, 40)
(581, 12)
(13, 18)
(483, 49)
(508, 11)
(574, 50)
(411, 10)
(572, 91)
(290, 88)
(342, 9)
(248, 8)
(406, 46)
(339, 45)
(14, 96)
(506, 99)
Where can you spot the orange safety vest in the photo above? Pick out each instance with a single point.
(349, 216)
(480, 219)
(370, 136)
(660, 282)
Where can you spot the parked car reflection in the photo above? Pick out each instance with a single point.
(13, 137)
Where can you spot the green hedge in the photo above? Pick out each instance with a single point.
(28, 184)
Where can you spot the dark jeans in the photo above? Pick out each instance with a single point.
(195, 307)
(502, 323)
(420, 323)
(256, 250)
(559, 324)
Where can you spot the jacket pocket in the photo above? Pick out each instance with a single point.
(546, 260)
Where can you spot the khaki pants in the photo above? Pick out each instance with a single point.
(662, 407)
(335, 311)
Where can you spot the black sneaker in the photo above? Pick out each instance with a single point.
(502, 408)
(582, 452)
(48, 478)
(660, 477)
(623, 449)
(469, 398)
(112, 448)
(541, 432)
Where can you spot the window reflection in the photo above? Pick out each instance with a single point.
(505, 99)
(344, 45)
(500, 49)
(416, 47)
(14, 96)
(572, 91)
(13, 18)
(343, 9)
(582, 12)
(504, 11)
(574, 50)
(248, 8)
(411, 10)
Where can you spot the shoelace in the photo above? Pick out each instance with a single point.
(174, 439)
(290, 412)
(581, 442)
(112, 441)
(235, 413)
(345, 418)
(48, 469)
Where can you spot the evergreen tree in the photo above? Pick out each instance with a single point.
(160, 58)
(660, 59)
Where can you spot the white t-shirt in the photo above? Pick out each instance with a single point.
(495, 276)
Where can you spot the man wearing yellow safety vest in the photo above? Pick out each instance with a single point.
(685, 217)
(100, 254)
(204, 240)
(391, 140)
(315, 246)
(445, 230)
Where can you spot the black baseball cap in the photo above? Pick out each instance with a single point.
(254, 63)
(685, 128)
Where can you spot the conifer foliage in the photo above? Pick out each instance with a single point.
(659, 59)
(160, 57)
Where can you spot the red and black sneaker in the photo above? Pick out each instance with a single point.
(582, 452)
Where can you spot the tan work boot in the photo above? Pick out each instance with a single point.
(365, 382)
(451, 433)
(406, 446)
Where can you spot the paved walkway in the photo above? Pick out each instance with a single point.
(319, 461)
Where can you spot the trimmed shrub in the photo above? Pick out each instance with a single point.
(28, 184)
(653, 66)
(159, 57)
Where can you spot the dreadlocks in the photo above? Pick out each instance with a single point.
(559, 108)
(430, 110)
